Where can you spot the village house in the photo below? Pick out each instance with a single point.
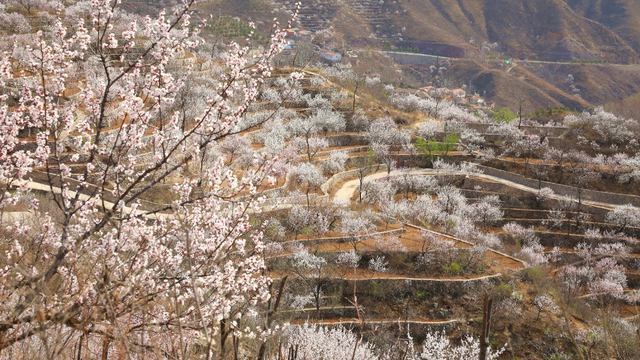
(476, 99)
(458, 93)
(304, 35)
(291, 33)
(300, 35)
(290, 44)
(330, 56)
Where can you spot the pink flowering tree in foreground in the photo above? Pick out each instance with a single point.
(103, 273)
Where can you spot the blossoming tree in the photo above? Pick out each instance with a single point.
(105, 272)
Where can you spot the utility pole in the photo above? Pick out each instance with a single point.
(486, 326)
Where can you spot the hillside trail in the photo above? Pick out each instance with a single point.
(56, 190)
(354, 321)
(345, 193)
(629, 67)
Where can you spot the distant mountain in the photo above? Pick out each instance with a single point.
(621, 16)
(551, 30)
(558, 31)
(554, 30)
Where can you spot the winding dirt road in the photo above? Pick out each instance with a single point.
(345, 193)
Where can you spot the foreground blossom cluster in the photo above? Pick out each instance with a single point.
(96, 269)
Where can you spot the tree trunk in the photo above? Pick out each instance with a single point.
(354, 97)
(486, 326)
(223, 338)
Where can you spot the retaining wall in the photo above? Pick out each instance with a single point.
(347, 139)
(569, 241)
(313, 198)
(549, 131)
(523, 195)
(564, 190)
(344, 239)
(413, 59)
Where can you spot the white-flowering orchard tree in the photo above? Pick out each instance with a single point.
(104, 273)
(624, 216)
(527, 147)
(355, 228)
(383, 134)
(309, 177)
(235, 147)
(311, 270)
(308, 130)
(318, 343)
(336, 162)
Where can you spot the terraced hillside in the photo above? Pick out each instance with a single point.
(169, 198)
(547, 30)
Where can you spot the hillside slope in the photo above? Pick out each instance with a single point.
(550, 30)
(553, 30)
(505, 88)
(540, 29)
(621, 16)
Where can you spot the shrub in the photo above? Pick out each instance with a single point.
(452, 269)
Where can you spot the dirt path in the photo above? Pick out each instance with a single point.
(353, 321)
(56, 190)
(367, 275)
(344, 194)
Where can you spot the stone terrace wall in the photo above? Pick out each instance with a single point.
(550, 131)
(337, 178)
(590, 195)
(500, 188)
(347, 139)
(412, 59)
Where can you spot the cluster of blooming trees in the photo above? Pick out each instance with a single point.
(442, 109)
(592, 131)
(575, 164)
(32, 5)
(450, 211)
(600, 270)
(531, 250)
(304, 133)
(384, 136)
(315, 343)
(421, 200)
(101, 272)
(15, 21)
(102, 123)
